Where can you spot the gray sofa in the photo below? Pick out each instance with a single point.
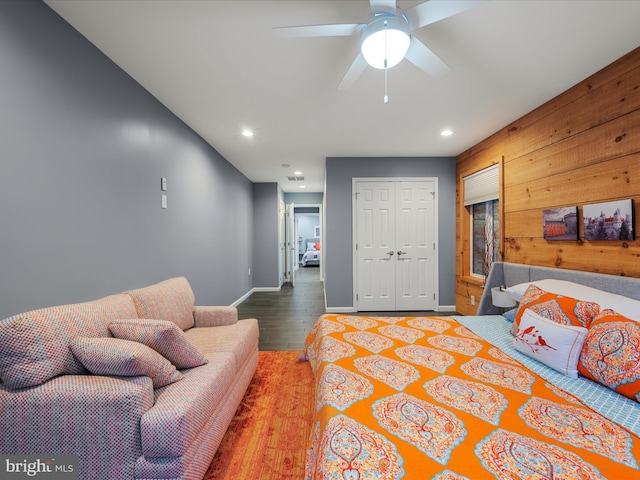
(120, 425)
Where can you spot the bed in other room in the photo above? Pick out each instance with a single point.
(312, 256)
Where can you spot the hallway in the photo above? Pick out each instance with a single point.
(285, 317)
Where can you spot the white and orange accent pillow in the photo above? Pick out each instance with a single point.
(557, 346)
(558, 308)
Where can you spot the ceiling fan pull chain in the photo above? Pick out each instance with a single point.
(386, 97)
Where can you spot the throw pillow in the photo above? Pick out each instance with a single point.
(624, 305)
(124, 358)
(559, 308)
(34, 346)
(171, 300)
(163, 336)
(26, 353)
(557, 346)
(510, 315)
(611, 353)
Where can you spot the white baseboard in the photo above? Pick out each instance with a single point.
(446, 308)
(266, 289)
(256, 289)
(439, 308)
(339, 309)
(242, 298)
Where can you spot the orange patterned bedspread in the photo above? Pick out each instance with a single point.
(425, 398)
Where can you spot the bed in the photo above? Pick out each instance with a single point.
(312, 256)
(460, 398)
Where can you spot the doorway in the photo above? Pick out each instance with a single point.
(304, 241)
(395, 257)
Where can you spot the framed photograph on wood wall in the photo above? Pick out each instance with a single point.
(608, 220)
(560, 223)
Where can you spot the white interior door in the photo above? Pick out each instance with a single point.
(291, 241)
(282, 235)
(375, 245)
(395, 245)
(415, 244)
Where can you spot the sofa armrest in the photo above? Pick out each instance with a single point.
(215, 316)
(86, 415)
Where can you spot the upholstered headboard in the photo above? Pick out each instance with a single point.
(508, 274)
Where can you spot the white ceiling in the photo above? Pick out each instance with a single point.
(217, 66)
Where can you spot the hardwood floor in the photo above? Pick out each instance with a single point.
(286, 316)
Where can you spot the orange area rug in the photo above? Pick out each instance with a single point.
(267, 437)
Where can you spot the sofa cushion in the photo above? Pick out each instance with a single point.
(171, 300)
(124, 358)
(182, 409)
(34, 346)
(240, 339)
(116, 306)
(163, 336)
(25, 353)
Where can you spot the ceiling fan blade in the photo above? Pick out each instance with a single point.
(429, 12)
(338, 30)
(425, 59)
(355, 70)
(383, 6)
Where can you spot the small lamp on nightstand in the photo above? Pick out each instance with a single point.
(500, 298)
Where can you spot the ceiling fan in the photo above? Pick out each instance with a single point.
(386, 37)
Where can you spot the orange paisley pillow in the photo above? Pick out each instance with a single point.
(611, 353)
(558, 308)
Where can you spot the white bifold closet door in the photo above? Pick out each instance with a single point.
(395, 245)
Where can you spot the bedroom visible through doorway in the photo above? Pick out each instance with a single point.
(304, 242)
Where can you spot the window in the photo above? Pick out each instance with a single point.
(485, 230)
(481, 200)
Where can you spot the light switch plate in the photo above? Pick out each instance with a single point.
(164, 201)
(163, 184)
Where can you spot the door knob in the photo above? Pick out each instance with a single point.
(400, 252)
(390, 252)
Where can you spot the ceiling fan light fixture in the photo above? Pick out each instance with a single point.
(385, 38)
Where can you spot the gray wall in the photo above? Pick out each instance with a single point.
(266, 270)
(307, 198)
(338, 260)
(83, 148)
(306, 226)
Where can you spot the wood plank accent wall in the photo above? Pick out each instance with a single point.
(581, 147)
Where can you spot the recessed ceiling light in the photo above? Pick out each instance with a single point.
(302, 186)
(247, 133)
(297, 172)
(446, 132)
